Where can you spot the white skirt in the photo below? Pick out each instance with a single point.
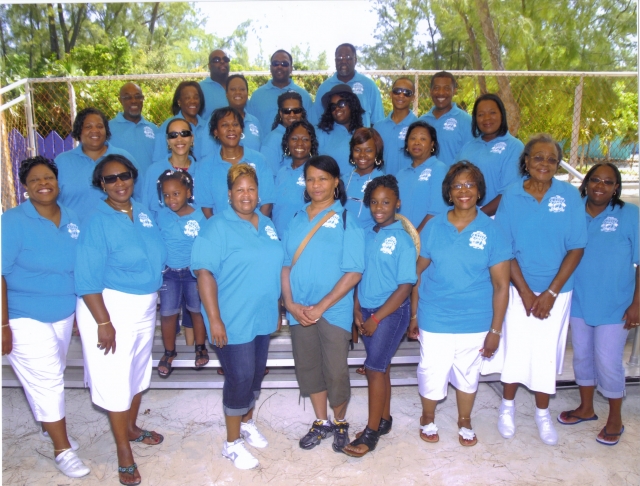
(534, 348)
(115, 378)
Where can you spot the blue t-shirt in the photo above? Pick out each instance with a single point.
(456, 293)
(203, 143)
(178, 234)
(453, 130)
(264, 102)
(393, 135)
(246, 264)
(366, 90)
(333, 251)
(289, 195)
(390, 261)
(497, 160)
(355, 185)
(271, 148)
(117, 253)
(75, 170)
(421, 190)
(215, 96)
(212, 180)
(605, 278)
(542, 233)
(251, 135)
(136, 138)
(37, 263)
(336, 144)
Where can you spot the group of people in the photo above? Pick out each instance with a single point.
(446, 228)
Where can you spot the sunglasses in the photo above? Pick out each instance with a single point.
(339, 104)
(183, 134)
(280, 63)
(217, 59)
(123, 176)
(128, 98)
(289, 111)
(402, 91)
(345, 58)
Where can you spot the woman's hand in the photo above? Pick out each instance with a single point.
(107, 338)
(542, 305)
(299, 314)
(414, 331)
(7, 340)
(313, 313)
(630, 319)
(218, 333)
(491, 343)
(369, 327)
(357, 318)
(528, 298)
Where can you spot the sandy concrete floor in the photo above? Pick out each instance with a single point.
(193, 425)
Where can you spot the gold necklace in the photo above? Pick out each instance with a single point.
(229, 158)
(126, 211)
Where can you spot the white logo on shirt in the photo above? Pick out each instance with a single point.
(478, 240)
(254, 129)
(251, 164)
(74, 231)
(364, 186)
(498, 148)
(403, 133)
(271, 233)
(357, 88)
(388, 245)
(450, 124)
(332, 222)
(301, 181)
(425, 175)
(557, 204)
(148, 132)
(609, 224)
(144, 219)
(191, 228)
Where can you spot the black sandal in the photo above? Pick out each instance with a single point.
(385, 425)
(201, 353)
(129, 470)
(164, 361)
(369, 438)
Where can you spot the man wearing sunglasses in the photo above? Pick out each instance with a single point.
(364, 87)
(452, 124)
(214, 87)
(264, 101)
(130, 130)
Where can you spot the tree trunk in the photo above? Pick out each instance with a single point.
(493, 46)
(53, 34)
(63, 28)
(432, 34)
(476, 57)
(77, 22)
(152, 22)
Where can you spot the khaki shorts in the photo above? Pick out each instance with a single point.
(320, 354)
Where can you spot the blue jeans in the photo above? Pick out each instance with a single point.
(178, 285)
(384, 342)
(244, 366)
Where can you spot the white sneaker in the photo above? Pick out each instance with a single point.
(252, 435)
(546, 429)
(507, 421)
(44, 435)
(70, 464)
(241, 457)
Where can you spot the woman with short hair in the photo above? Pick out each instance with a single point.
(237, 96)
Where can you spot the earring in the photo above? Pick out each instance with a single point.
(377, 162)
(336, 194)
(614, 193)
(241, 136)
(351, 161)
(229, 201)
(104, 189)
(433, 150)
(169, 147)
(287, 152)
(305, 195)
(259, 200)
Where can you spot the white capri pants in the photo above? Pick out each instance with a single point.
(38, 358)
(534, 348)
(449, 358)
(114, 379)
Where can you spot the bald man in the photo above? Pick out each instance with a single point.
(215, 86)
(129, 129)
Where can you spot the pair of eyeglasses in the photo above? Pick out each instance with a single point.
(217, 59)
(597, 180)
(344, 58)
(127, 98)
(289, 111)
(183, 134)
(466, 185)
(538, 159)
(123, 176)
(340, 104)
(280, 63)
(402, 91)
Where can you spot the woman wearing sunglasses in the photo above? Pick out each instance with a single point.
(342, 116)
(237, 95)
(118, 272)
(290, 110)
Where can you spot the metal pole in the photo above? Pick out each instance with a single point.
(575, 129)
(72, 107)
(416, 94)
(32, 149)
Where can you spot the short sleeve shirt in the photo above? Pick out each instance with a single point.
(453, 130)
(215, 96)
(178, 234)
(289, 195)
(252, 133)
(136, 138)
(355, 185)
(393, 135)
(336, 144)
(263, 103)
(271, 148)
(203, 144)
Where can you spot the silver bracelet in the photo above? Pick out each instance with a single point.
(493, 331)
(553, 294)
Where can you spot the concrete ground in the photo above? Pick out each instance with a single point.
(193, 426)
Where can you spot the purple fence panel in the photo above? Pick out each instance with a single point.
(53, 145)
(40, 143)
(18, 152)
(67, 143)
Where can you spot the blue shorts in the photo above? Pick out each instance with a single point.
(384, 342)
(178, 284)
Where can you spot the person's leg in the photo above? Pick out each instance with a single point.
(120, 428)
(465, 406)
(386, 411)
(168, 328)
(134, 432)
(170, 297)
(319, 404)
(428, 418)
(509, 391)
(377, 397)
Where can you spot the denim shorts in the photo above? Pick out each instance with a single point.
(244, 366)
(384, 342)
(178, 284)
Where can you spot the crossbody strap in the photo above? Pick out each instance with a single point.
(307, 238)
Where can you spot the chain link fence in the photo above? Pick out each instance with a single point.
(594, 115)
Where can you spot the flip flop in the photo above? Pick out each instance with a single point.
(148, 435)
(569, 414)
(467, 434)
(429, 430)
(606, 442)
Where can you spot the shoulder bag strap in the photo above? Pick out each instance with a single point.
(307, 238)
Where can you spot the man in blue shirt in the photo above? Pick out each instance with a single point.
(130, 130)
(264, 101)
(215, 86)
(364, 87)
(452, 124)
